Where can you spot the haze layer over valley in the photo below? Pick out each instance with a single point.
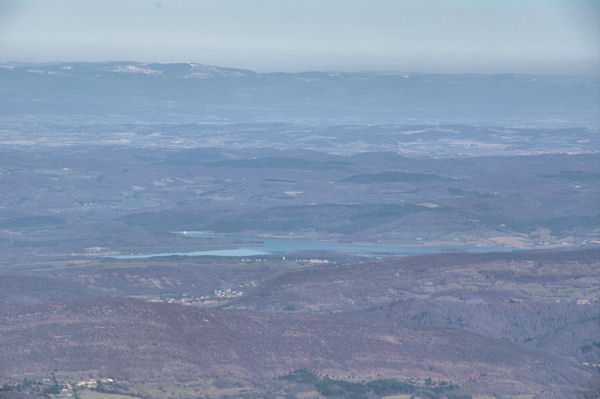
(190, 231)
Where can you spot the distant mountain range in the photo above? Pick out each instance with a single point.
(195, 93)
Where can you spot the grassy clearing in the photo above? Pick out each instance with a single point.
(100, 395)
(196, 389)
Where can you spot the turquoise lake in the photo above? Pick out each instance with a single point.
(258, 245)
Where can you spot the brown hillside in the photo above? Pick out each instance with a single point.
(141, 341)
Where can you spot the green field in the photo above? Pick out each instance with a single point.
(99, 395)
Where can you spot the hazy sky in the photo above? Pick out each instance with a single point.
(539, 36)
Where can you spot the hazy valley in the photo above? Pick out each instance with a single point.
(383, 235)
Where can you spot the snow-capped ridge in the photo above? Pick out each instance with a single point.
(135, 69)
